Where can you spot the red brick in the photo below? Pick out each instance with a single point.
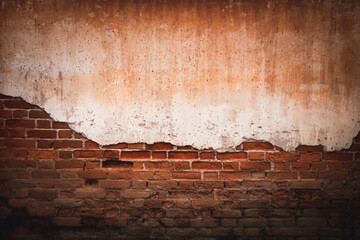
(92, 174)
(307, 174)
(92, 164)
(91, 145)
(41, 133)
(281, 175)
(43, 124)
(116, 146)
(67, 221)
(257, 146)
(78, 136)
(306, 148)
(65, 134)
(310, 157)
(305, 185)
(282, 166)
(88, 154)
(186, 185)
(20, 163)
(44, 143)
(162, 175)
(256, 156)
(302, 165)
(355, 147)
(45, 174)
(60, 125)
(336, 166)
(162, 184)
(69, 164)
(341, 156)
(114, 154)
(136, 146)
(159, 155)
(205, 203)
(138, 175)
(115, 184)
(43, 154)
(5, 114)
(67, 144)
(19, 123)
(333, 175)
(186, 175)
(116, 164)
(234, 175)
(232, 156)
(19, 153)
(4, 133)
(182, 165)
(255, 165)
(207, 155)
(38, 114)
(159, 165)
(183, 155)
(206, 165)
(20, 114)
(16, 132)
(135, 154)
(231, 165)
(44, 194)
(160, 146)
(209, 184)
(17, 104)
(281, 156)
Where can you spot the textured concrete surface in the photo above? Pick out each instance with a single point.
(203, 73)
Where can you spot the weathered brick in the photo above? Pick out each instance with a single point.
(310, 157)
(183, 155)
(135, 154)
(60, 125)
(281, 156)
(45, 174)
(206, 165)
(341, 156)
(44, 194)
(234, 175)
(43, 124)
(182, 165)
(115, 184)
(231, 166)
(17, 104)
(160, 146)
(164, 165)
(64, 144)
(38, 114)
(256, 155)
(65, 134)
(207, 155)
(255, 165)
(41, 133)
(158, 155)
(11, 123)
(232, 156)
(5, 114)
(20, 113)
(97, 174)
(186, 175)
(88, 154)
(306, 148)
(281, 175)
(43, 154)
(257, 146)
(69, 164)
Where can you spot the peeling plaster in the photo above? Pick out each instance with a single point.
(205, 73)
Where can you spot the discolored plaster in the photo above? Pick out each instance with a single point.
(204, 73)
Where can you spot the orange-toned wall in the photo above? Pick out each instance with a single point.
(204, 73)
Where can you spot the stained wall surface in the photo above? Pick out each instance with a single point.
(204, 73)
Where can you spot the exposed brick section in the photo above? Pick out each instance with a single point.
(58, 183)
(257, 146)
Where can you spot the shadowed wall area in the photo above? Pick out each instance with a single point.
(180, 119)
(56, 184)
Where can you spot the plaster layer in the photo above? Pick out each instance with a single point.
(205, 73)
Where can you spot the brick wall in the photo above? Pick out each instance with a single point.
(56, 184)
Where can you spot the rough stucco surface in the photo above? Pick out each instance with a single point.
(203, 73)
